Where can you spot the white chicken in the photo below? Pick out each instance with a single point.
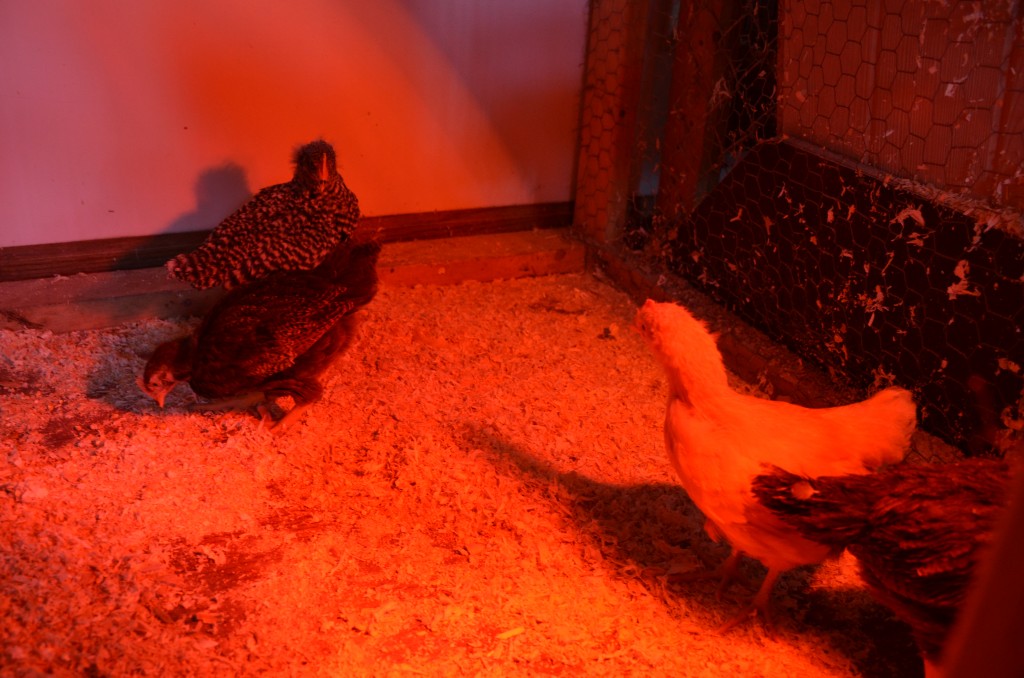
(718, 440)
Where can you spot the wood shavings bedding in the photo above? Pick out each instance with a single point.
(482, 491)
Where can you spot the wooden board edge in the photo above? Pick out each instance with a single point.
(131, 253)
(101, 300)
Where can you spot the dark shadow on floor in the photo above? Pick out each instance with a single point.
(645, 528)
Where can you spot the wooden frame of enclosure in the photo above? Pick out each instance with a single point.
(613, 105)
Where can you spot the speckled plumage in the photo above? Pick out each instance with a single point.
(290, 226)
(274, 336)
(917, 531)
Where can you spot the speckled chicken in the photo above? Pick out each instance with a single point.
(718, 440)
(290, 227)
(271, 338)
(917, 531)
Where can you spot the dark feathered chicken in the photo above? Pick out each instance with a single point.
(273, 337)
(917, 531)
(289, 227)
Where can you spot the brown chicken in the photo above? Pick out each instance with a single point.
(718, 440)
(918, 532)
(271, 338)
(285, 227)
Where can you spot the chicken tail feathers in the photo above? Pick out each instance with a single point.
(876, 432)
(353, 265)
(835, 511)
(897, 420)
(201, 268)
(215, 263)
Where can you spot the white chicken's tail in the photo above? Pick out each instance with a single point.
(878, 430)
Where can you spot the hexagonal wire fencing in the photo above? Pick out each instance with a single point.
(845, 176)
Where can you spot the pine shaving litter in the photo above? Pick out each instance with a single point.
(483, 490)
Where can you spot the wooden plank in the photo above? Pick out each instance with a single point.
(619, 36)
(98, 300)
(114, 254)
(481, 258)
(693, 134)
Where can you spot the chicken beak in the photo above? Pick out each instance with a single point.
(142, 387)
(638, 324)
(325, 173)
(640, 320)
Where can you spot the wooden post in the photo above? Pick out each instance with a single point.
(618, 37)
(691, 143)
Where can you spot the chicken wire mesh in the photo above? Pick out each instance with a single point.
(844, 175)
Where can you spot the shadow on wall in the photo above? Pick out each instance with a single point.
(219, 192)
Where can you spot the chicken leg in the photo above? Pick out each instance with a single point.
(761, 604)
(238, 403)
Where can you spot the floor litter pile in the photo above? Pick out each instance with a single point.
(483, 491)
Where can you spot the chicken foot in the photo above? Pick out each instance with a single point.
(236, 403)
(240, 403)
(303, 391)
(727, 573)
(760, 605)
(289, 418)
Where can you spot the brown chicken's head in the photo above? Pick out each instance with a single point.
(169, 364)
(315, 166)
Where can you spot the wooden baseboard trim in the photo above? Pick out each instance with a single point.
(98, 300)
(119, 254)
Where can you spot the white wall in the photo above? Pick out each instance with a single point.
(123, 118)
